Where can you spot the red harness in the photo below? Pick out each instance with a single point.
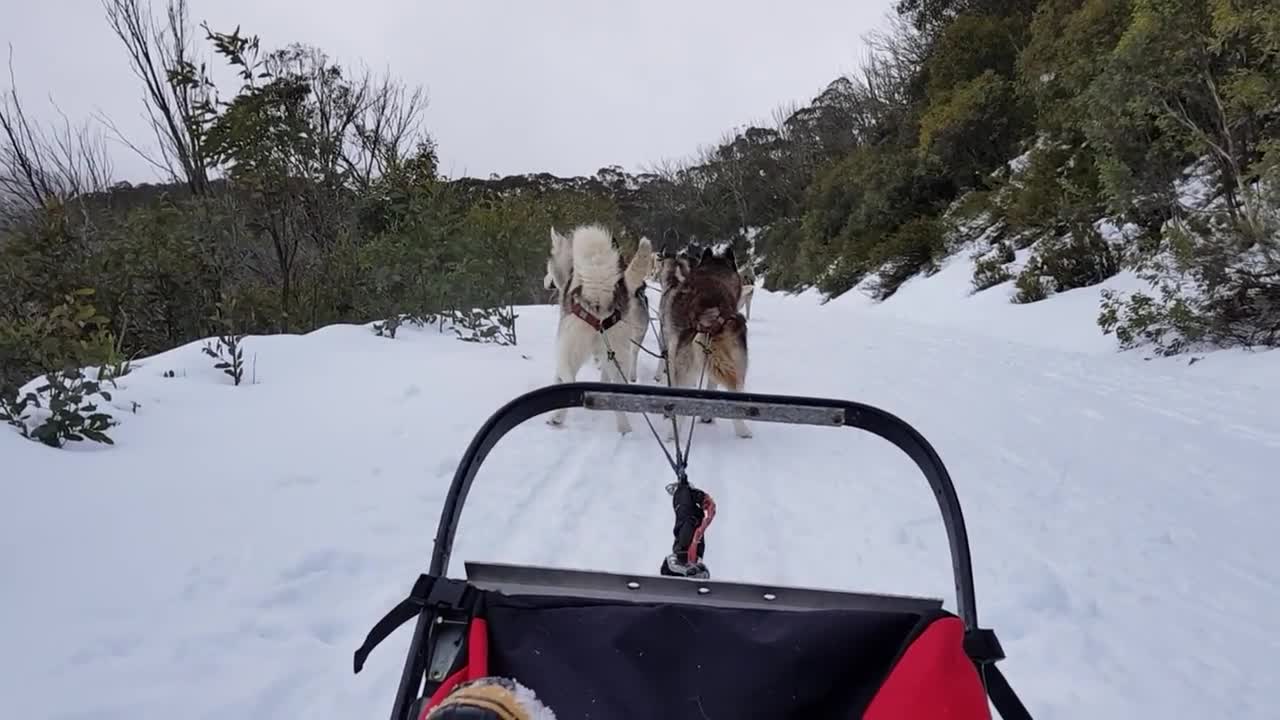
(592, 320)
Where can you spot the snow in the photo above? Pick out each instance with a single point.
(1067, 321)
(228, 554)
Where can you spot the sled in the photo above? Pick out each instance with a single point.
(617, 646)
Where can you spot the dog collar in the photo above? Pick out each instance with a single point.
(592, 320)
(713, 327)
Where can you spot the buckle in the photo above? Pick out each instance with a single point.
(447, 594)
(982, 646)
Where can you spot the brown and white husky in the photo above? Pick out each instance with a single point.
(704, 333)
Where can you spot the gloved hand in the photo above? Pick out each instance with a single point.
(694, 510)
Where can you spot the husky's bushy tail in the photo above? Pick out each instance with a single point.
(596, 263)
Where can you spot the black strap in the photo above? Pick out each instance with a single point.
(1003, 696)
(428, 592)
(983, 647)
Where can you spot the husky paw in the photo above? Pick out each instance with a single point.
(706, 420)
(741, 430)
(555, 422)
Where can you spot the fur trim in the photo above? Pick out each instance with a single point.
(501, 698)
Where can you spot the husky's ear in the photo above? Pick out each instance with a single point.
(682, 268)
(644, 250)
(558, 242)
(640, 265)
(707, 254)
(729, 258)
(560, 264)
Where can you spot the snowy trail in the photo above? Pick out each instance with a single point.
(228, 555)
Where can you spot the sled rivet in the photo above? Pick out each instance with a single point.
(703, 589)
(633, 585)
(770, 597)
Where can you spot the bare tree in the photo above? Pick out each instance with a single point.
(796, 155)
(387, 128)
(39, 170)
(893, 63)
(177, 93)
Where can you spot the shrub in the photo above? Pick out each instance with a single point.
(72, 415)
(912, 248)
(1077, 260)
(990, 270)
(1208, 290)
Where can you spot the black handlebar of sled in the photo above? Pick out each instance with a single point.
(728, 405)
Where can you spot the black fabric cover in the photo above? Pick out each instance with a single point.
(602, 660)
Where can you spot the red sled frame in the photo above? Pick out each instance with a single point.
(440, 628)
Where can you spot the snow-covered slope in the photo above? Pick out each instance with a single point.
(1067, 321)
(225, 558)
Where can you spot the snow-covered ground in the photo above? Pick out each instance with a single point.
(1068, 321)
(228, 554)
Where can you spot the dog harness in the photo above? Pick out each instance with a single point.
(595, 322)
(711, 321)
(713, 327)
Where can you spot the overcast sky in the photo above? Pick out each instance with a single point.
(565, 86)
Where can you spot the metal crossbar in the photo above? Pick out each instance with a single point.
(726, 409)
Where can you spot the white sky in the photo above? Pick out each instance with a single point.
(563, 86)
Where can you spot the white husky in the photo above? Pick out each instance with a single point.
(600, 311)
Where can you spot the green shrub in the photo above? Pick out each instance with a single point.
(914, 247)
(990, 270)
(1077, 260)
